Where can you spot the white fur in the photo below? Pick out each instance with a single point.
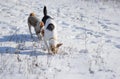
(50, 37)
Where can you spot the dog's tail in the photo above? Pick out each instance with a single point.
(45, 11)
(32, 14)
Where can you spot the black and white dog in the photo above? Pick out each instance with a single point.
(49, 33)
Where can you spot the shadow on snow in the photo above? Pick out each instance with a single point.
(11, 50)
(18, 38)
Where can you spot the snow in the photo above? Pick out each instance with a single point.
(88, 29)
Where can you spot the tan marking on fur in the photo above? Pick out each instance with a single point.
(53, 49)
(42, 32)
(41, 24)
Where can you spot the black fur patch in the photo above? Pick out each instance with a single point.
(45, 11)
(50, 27)
(44, 19)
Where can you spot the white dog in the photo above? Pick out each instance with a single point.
(49, 33)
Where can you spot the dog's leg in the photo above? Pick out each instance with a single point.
(39, 36)
(29, 25)
(46, 44)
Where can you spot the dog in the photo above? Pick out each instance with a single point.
(36, 23)
(49, 33)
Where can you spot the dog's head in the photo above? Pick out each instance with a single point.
(54, 49)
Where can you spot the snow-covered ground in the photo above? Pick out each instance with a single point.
(88, 29)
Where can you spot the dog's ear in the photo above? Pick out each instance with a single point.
(58, 45)
(41, 24)
(32, 14)
(45, 11)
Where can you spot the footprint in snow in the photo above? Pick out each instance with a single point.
(116, 24)
(117, 46)
(78, 36)
(103, 9)
(108, 41)
(106, 20)
(83, 51)
(93, 42)
(65, 25)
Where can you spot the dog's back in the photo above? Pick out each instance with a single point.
(50, 29)
(33, 20)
